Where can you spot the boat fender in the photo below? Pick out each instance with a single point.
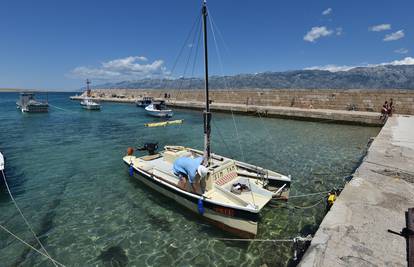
(131, 170)
(200, 206)
(330, 200)
(130, 151)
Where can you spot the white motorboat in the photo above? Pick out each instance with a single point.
(159, 109)
(87, 102)
(231, 195)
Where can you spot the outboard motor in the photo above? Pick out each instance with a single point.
(150, 147)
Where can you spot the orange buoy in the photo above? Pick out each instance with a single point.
(130, 151)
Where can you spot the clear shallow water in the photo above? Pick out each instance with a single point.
(65, 169)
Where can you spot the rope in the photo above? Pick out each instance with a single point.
(30, 246)
(24, 218)
(231, 109)
(299, 238)
(312, 194)
(61, 108)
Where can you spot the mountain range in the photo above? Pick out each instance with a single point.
(376, 77)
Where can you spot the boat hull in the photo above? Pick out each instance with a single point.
(91, 107)
(239, 223)
(160, 113)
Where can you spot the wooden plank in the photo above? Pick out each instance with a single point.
(410, 238)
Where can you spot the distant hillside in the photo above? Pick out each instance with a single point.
(379, 77)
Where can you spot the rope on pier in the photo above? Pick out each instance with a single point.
(24, 218)
(30, 246)
(296, 239)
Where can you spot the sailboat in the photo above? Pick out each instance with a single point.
(87, 102)
(233, 192)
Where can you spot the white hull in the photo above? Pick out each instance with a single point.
(163, 113)
(240, 227)
(1, 162)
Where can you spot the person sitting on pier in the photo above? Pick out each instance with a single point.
(390, 108)
(190, 170)
(384, 111)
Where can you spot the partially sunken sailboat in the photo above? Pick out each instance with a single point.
(233, 192)
(87, 102)
(28, 103)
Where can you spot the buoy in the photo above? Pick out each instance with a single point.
(200, 206)
(130, 151)
(131, 170)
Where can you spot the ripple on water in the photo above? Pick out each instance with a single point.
(66, 171)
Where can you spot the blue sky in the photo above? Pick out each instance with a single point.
(56, 44)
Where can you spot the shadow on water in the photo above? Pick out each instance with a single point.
(46, 224)
(15, 179)
(114, 256)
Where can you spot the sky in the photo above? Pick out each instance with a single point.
(56, 45)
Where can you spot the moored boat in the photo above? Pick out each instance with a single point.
(1, 162)
(28, 103)
(231, 193)
(87, 102)
(159, 109)
(144, 102)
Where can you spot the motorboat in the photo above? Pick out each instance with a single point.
(144, 102)
(87, 102)
(1, 162)
(159, 109)
(28, 103)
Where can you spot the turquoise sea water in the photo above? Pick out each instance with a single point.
(66, 172)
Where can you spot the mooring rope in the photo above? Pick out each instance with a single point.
(24, 218)
(30, 246)
(299, 238)
(67, 110)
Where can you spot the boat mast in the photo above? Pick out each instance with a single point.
(206, 114)
(88, 90)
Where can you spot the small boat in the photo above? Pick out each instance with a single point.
(87, 102)
(231, 194)
(28, 103)
(163, 123)
(144, 102)
(1, 162)
(159, 109)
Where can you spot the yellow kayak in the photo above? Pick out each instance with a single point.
(163, 123)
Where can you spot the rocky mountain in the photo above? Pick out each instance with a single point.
(378, 77)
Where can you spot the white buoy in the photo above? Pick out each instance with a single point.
(1, 162)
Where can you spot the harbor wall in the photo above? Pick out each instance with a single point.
(355, 231)
(360, 100)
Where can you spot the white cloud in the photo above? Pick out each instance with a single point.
(401, 51)
(335, 68)
(327, 11)
(394, 36)
(128, 68)
(339, 31)
(380, 27)
(405, 61)
(316, 33)
(331, 68)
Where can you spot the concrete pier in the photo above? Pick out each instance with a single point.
(354, 232)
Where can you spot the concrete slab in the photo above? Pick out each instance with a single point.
(354, 232)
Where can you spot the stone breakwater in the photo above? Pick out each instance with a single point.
(360, 100)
